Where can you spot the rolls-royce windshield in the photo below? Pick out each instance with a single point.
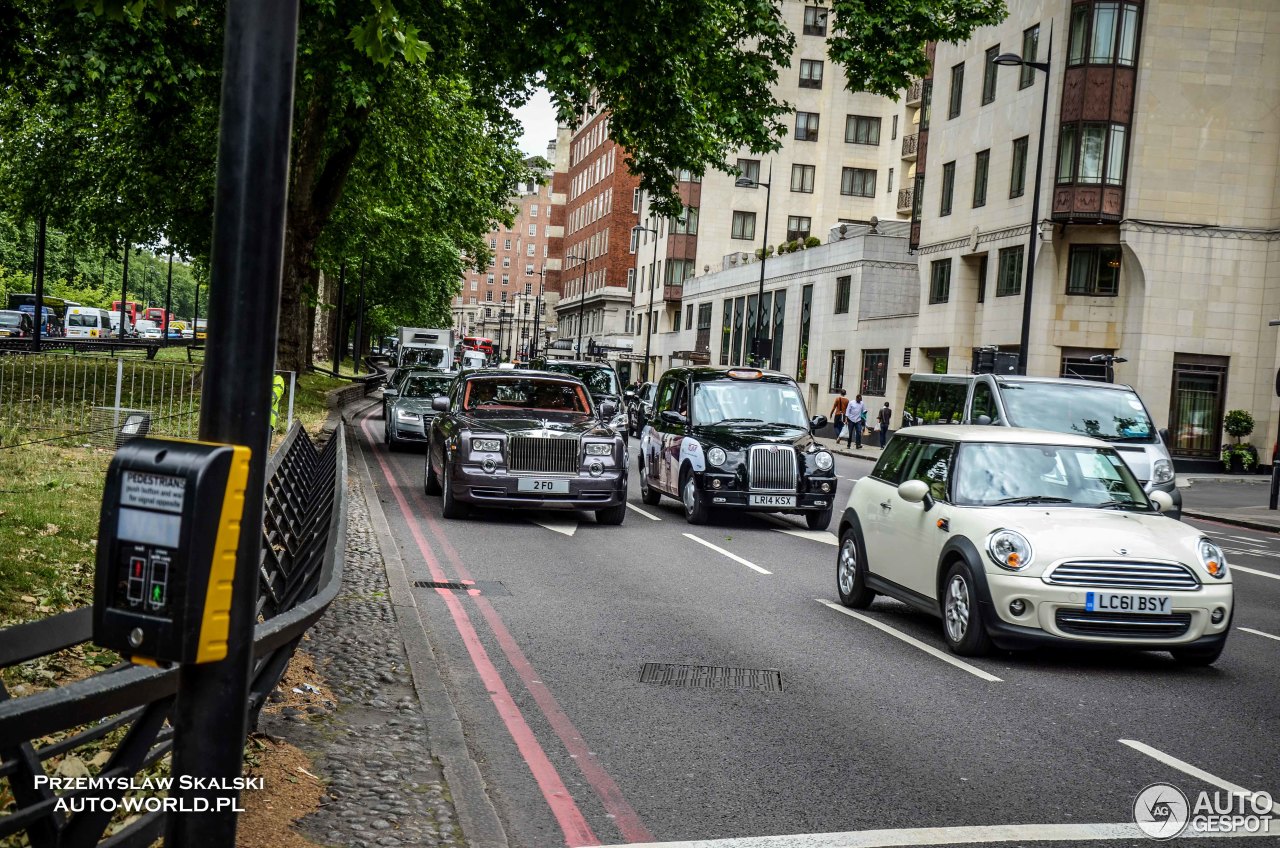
(528, 394)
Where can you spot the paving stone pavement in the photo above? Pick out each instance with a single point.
(385, 787)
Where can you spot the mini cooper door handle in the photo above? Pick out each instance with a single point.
(885, 505)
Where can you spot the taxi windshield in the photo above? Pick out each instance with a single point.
(991, 474)
(734, 401)
(525, 393)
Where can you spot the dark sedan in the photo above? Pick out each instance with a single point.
(525, 440)
(408, 408)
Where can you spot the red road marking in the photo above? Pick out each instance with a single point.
(624, 816)
(574, 825)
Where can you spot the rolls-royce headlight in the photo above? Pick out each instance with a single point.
(1212, 558)
(1009, 549)
(823, 461)
(717, 456)
(599, 449)
(486, 445)
(406, 415)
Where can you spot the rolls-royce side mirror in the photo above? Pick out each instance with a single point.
(440, 403)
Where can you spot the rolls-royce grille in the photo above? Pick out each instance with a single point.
(1122, 625)
(544, 455)
(1125, 575)
(772, 468)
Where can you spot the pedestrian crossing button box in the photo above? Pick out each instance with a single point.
(167, 539)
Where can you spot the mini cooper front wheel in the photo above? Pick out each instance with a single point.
(851, 572)
(961, 618)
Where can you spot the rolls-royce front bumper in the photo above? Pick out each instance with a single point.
(472, 484)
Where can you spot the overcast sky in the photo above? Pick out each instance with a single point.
(539, 119)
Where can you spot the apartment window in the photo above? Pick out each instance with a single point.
(926, 104)
(806, 126)
(1030, 47)
(528, 288)
(1009, 272)
(533, 231)
(493, 244)
(982, 279)
(1018, 170)
(472, 300)
(810, 73)
(802, 178)
(1091, 153)
(980, 167)
(837, 370)
(860, 129)
(506, 262)
(489, 279)
(528, 270)
(815, 20)
(631, 279)
(488, 296)
(889, 190)
(679, 270)
(940, 281)
(750, 169)
(1094, 269)
(875, 372)
(843, 284)
(686, 224)
(507, 245)
(894, 132)
(702, 341)
(798, 227)
(530, 250)
(475, 285)
(635, 200)
(744, 225)
(957, 90)
(858, 182)
(504, 297)
(948, 188)
(1103, 32)
(506, 279)
(533, 210)
(675, 322)
(989, 75)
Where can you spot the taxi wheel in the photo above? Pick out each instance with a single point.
(818, 520)
(961, 618)
(1199, 656)
(696, 509)
(649, 496)
(451, 507)
(432, 486)
(851, 572)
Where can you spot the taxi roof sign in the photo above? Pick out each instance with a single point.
(745, 373)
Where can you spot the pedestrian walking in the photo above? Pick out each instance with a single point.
(838, 410)
(856, 416)
(885, 416)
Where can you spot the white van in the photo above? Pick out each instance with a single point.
(1107, 411)
(86, 322)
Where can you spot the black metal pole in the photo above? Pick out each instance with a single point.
(195, 312)
(1024, 344)
(339, 336)
(210, 716)
(653, 283)
(537, 311)
(764, 254)
(355, 354)
(586, 267)
(168, 297)
(124, 289)
(37, 318)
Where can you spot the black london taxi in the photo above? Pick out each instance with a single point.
(735, 438)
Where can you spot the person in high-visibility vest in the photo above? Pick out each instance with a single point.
(277, 392)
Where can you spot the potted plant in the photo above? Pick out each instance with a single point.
(1238, 457)
(812, 241)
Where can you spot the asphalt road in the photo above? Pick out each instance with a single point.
(874, 727)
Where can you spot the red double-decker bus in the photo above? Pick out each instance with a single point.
(480, 343)
(131, 307)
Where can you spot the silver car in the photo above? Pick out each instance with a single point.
(409, 412)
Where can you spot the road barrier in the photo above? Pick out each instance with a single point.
(125, 709)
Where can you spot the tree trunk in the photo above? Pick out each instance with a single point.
(299, 259)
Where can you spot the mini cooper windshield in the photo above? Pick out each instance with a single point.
(1112, 415)
(995, 474)
(422, 386)
(732, 401)
(530, 394)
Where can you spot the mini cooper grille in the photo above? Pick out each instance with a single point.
(1122, 625)
(772, 468)
(1124, 575)
(546, 455)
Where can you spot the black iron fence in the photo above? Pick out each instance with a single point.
(123, 712)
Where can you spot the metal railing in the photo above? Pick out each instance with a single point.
(909, 145)
(126, 708)
(906, 199)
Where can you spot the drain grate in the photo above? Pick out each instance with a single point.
(440, 584)
(711, 677)
(492, 588)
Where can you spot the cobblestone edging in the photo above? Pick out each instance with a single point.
(385, 788)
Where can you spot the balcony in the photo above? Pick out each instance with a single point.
(909, 146)
(915, 93)
(906, 199)
(672, 293)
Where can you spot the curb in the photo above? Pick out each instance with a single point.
(481, 827)
(1227, 519)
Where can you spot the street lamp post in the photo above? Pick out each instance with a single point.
(746, 182)
(653, 282)
(537, 311)
(582, 302)
(1011, 60)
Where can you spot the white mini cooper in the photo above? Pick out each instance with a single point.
(1021, 538)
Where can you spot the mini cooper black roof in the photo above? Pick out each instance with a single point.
(738, 373)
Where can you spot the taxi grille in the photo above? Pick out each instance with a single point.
(1122, 625)
(1124, 575)
(772, 468)
(547, 456)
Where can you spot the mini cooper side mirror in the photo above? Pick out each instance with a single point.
(916, 491)
(608, 409)
(982, 420)
(440, 403)
(1161, 501)
(670, 416)
(817, 422)
(390, 392)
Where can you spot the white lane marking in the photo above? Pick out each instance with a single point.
(972, 835)
(1258, 633)
(1187, 768)
(911, 640)
(731, 556)
(1252, 553)
(568, 528)
(1259, 542)
(647, 515)
(1234, 567)
(826, 537)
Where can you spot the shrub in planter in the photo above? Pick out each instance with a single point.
(1238, 423)
(1239, 458)
(784, 248)
(812, 241)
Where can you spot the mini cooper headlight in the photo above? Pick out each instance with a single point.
(1009, 549)
(823, 461)
(405, 415)
(717, 456)
(599, 449)
(1161, 471)
(486, 445)
(1212, 558)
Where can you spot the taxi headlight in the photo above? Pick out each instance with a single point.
(1161, 471)
(619, 421)
(599, 449)
(1212, 558)
(1009, 549)
(823, 461)
(717, 456)
(486, 445)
